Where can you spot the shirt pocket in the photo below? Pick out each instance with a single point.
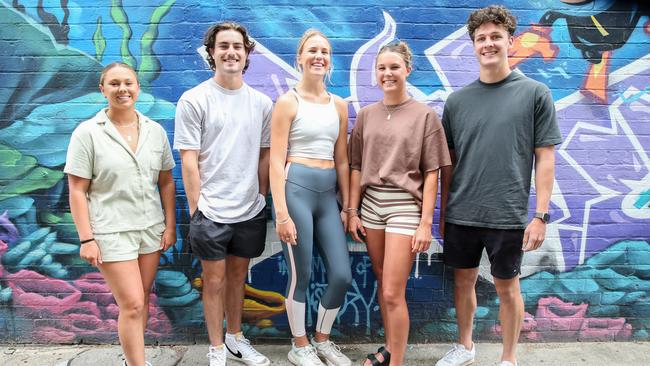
(155, 164)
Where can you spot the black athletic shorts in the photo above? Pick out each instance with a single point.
(463, 247)
(212, 241)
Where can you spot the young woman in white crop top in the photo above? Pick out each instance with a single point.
(308, 156)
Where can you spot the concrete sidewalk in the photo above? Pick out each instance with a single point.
(542, 354)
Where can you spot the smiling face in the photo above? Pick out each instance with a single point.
(120, 87)
(391, 72)
(491, 45)
(229, 53)
(314, 56)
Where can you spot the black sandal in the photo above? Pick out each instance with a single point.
(373, 359)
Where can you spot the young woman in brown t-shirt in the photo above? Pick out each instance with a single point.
(396, 149)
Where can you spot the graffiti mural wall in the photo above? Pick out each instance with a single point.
(590, 280)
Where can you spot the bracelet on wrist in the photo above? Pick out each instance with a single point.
(282, 222)
(351, 211)
(86, 241)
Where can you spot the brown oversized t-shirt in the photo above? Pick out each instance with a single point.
(400, 150)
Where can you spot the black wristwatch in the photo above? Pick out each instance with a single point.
(544, 216)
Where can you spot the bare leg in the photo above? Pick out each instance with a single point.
(396, 272)
(236, 272)
(321, 337)
(214, 273)
(376, 245)
(148, 264)
(511, 315)
(123, 278)
(465, 301)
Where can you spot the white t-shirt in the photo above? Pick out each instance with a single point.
(229, 127)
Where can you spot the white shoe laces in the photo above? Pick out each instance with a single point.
(334, 348)
(309, 352)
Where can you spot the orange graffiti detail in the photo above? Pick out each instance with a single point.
(258, 304)
(596, 82)
(535, 41)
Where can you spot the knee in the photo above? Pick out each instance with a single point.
(393, 297)
(133, 308)
(300, 285)
(341, 280)
(509, 295)
(465, 283)
(236, 274)
(213, 284)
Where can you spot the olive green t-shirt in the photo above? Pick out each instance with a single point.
(494, 130)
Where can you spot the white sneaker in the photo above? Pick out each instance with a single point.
(240, 349)
(331, 353)
(508, 363)
(304, 356)
(217, 355)
(146, 363)
(458, 356)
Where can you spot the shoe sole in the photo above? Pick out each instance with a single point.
(328, 363)
(293, 360)
(467, 363)
(247, 363)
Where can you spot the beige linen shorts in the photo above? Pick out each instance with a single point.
(128, 245)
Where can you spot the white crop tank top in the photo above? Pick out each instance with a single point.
(314, 131)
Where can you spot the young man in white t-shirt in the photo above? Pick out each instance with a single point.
(222, 131)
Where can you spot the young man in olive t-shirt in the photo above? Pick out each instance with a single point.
(496, 127)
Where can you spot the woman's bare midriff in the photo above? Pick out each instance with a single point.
(312, 163)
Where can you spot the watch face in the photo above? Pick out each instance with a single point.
(543, 216)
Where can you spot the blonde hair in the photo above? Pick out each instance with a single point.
(400, 48)
(309, 33)
(113, 65)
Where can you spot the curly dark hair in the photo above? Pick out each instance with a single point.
(211, 35)
(496, 14)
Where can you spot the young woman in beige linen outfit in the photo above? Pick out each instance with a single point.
(122, 201)
(396, 149)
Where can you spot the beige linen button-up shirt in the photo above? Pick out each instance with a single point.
(123, 193)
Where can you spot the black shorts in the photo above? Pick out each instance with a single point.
(212, 241)
(463, 247)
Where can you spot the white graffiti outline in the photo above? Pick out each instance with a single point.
(617, 121)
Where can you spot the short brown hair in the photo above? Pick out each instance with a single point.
(497, 14)
(211, 35)
(113, 65)
(401, 48)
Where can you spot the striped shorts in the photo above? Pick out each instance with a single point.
(391, 209)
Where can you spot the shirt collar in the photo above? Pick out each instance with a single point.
(102, 118)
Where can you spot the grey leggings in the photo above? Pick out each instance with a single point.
(311, 201)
